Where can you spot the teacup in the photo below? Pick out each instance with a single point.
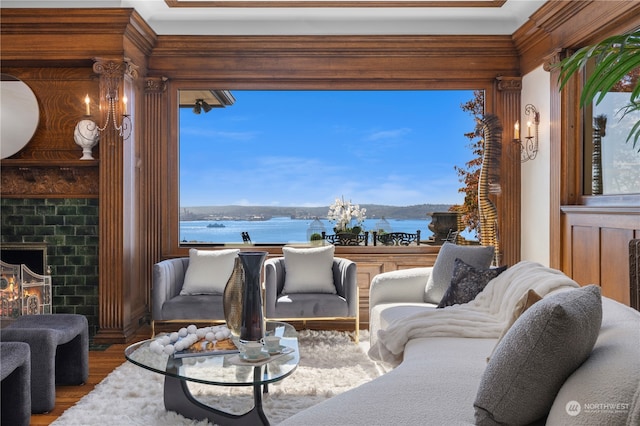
(272, 343)
(252, 350)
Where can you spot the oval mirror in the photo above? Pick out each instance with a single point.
(19, 115)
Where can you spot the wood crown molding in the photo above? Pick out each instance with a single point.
(336, 45)
(266, 60)
(84, 33)
(571, 24)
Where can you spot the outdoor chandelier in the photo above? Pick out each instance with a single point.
(201, 105)
(528, 147)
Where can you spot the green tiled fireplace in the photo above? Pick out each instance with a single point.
(69, 227)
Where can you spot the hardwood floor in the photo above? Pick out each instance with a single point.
(101, 363)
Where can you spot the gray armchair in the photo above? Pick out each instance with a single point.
(313, 306)
(168, 305)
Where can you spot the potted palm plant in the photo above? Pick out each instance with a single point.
(615, 59)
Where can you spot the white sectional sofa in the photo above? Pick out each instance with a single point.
(440, 375)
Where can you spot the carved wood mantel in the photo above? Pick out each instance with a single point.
(71, 179)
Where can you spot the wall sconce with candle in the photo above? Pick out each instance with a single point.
(87, 132)
(528, 146)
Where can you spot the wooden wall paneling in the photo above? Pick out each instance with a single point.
(546, 39)
(585, 257)
(366, 272)
(596, 246)
(614, 270)
(60, 93)
(49, 165)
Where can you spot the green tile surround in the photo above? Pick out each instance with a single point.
(70, 229)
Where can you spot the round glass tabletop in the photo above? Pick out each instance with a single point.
(226, 369)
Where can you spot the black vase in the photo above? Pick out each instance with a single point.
(252, 327)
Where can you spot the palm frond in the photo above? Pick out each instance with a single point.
(615, 57)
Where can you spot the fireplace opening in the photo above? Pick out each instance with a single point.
(34, 255)
(25, 280)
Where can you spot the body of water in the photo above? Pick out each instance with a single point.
(281, 230)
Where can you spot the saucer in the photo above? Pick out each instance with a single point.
(280, 350)
(261, 357)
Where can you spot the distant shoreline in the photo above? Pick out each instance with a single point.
(264, 213)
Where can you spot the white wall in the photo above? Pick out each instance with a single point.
(536, 187)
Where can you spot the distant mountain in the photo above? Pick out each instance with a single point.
(374, 211)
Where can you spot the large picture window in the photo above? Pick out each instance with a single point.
(612, 165)
(267, 163)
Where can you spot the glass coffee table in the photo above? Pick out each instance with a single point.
(219, 370)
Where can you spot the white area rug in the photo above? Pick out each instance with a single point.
(330, 363)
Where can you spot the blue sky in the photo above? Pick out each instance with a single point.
(297, 148)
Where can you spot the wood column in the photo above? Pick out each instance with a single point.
(153, 191)
(507, 107)
(117, 246)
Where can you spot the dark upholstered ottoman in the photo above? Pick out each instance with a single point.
(59, 353)
(15, 392)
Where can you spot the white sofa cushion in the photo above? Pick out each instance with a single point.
(308, 270)
(542, 348)
(208, 271)
(384, 314)
(435, 385)
(606, 387)
(440, 278)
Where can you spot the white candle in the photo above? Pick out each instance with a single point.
(528, 129)
(516, 130)
(87, 103)
(124, 101)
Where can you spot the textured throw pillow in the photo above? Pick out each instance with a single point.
(440, 278)
(467, 282)
(535, 357)
(208, 271)
(308, 270)
(524, 303)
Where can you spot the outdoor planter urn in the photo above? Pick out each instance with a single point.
(441, 224)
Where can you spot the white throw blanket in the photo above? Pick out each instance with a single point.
(484, 317)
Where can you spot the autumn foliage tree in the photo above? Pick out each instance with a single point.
(470, 173)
